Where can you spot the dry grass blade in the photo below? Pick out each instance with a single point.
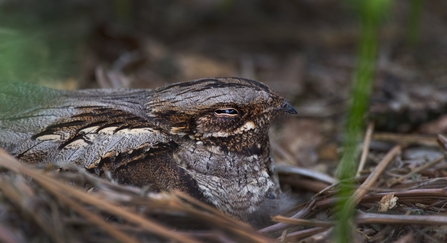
(58, 188)
(21, 197)
(231, 225)
(107, 227)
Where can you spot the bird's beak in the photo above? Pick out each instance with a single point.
(287, 107)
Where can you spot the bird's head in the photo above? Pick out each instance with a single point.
(230, 112)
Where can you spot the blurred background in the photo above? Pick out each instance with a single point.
(304, 49)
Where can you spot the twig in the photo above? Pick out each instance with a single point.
(375, 218)
(418, 169)
(416, 193)
(363, 189)
(282, 226)
(282, 168)
(306, 233)
(303, 222)
(406, 139)
(365, 149)
(442, 141)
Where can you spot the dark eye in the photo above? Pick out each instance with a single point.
(226, 112)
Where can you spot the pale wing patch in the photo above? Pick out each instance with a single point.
(55, 137)
(60, 136)
(135, 131)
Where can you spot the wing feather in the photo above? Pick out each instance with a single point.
(82, 127)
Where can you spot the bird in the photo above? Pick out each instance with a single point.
(206, 137)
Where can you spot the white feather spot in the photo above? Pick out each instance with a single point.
(215, 149)
(216, 134)
(252, 158)
(248, 126)
(177, 131)
(90, 137)
(89, 129)
(107, 130)
(76, 144)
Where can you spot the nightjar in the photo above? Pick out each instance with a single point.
(208, 137)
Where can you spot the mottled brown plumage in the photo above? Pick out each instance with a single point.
(206, 137)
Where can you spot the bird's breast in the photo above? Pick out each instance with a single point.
(235, 183)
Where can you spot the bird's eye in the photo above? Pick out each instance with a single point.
(226, 112)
